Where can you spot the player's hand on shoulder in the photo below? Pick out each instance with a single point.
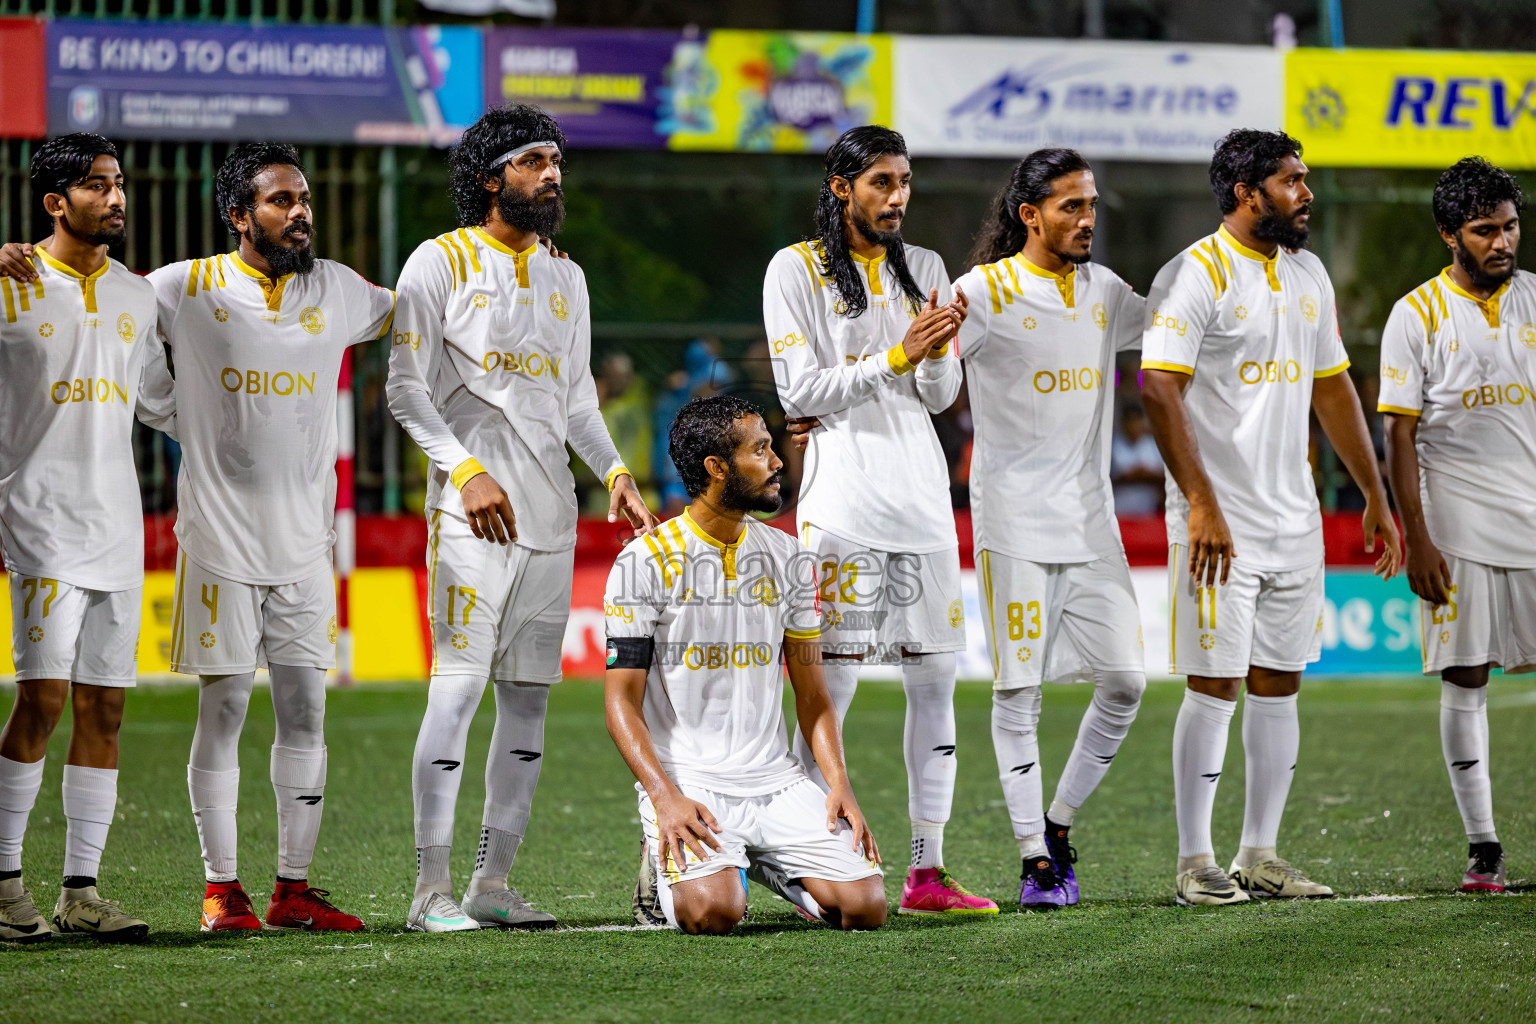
(799, 430)
(1210, 544)
(841, 804)
(1428, 575)
(549, 244)
(488, 509)
(626, 499)
(683, 823)
(16, 261)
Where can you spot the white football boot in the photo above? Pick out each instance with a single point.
(434, 912)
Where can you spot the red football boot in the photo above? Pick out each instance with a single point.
(226, 908)
(298, 905)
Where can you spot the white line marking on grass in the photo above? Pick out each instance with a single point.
(617, 928)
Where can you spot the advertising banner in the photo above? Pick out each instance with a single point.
(159, 80)
(22, 55)
(1411, 108)
(781, 92)
(1117, 101)
(606, 88)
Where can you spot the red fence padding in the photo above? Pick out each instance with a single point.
(402, 540)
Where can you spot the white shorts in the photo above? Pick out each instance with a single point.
(496, 610)
(1490, 619)
(1269, 619)
(222, 627)
(787, 830)
(886, 600)
(1058, 622)
(60, 631)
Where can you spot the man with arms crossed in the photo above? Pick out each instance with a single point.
(1458, 383)
(78, 356)
(861, 351)
(1039, 349)
(699, 616)
(1241, 342)
(490, 374)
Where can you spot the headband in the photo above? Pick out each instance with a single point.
(513, 154)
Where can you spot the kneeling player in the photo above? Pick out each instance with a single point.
(1455, 373)
(697, 614)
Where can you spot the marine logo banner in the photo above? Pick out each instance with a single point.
(1121, 101)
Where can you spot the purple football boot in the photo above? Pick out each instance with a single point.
(1040, 889)
(1064, 857)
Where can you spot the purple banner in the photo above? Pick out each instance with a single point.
(169, 80)
(605, 87)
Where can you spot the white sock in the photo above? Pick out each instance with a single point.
(1271, 739)
(1032, 846)
(929, 738)
(19, 783)
(90, 799)
(1116, 698)
(511, 775)
(298, 765)
(1016, 741)
(1060, 813)
(927, 844)
(214, 796)
(213, 769)
(842, 676)
(1464, 741)
(298, 782)
(436, 769)
(1199, 749)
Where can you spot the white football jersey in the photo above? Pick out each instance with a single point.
(78, 356)
(1253, 333)
(1039, 353)
(257, 364)
(1467, 368)
(875, 473)
(491, 369)
(718, 614)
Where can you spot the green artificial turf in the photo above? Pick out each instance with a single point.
(1371, 813)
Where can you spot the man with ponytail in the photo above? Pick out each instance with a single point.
(1039, 349)
(862, 349)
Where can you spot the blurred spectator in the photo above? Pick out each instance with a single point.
(702, 374)
(626, 408)
(1135, 466)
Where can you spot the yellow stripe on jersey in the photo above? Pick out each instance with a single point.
(432, 583)
(192, 279)
(1332, 371)
(469, 247)
(389, 321)
(984, 563)
(453, 270)
(1175, 557)
(997, 302)
(614, 474)
(1013, 279)
(810, 262)
(803, 634)
(10, 300)
(663, 563)
(1148, 364)
(1429, 325)
(1398, 410)
(458, 253)
(219, 263)
(178, 630)
(21, 297)
(1445, 314)
(1210, 271)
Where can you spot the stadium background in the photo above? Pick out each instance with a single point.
(696, 130)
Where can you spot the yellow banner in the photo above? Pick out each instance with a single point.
(1411, 108)
(785, 92)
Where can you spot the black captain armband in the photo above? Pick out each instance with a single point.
(631, 651)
